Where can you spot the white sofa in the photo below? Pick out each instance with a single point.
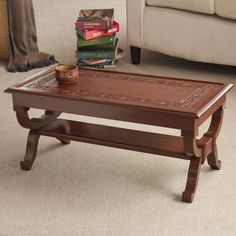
(198, 30)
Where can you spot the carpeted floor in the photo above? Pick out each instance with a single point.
(84, 189)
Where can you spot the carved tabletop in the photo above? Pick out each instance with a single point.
(128, 89)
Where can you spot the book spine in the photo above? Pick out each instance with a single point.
(91, 34)
(102, 61)
(92, 54)
(103, 40)
(93, 24)
(102, 47)
(95, 34)
(98, 66)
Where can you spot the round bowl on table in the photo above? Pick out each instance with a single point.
(66, 74)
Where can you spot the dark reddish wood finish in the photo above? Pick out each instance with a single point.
(167, 102)
(31, 150)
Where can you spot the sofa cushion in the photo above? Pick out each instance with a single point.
(203, 6)
(226, 8)
(201, 37)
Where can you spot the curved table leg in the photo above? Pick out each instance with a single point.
(210, 136)
(64, 141)
(192, 181)
(195, 153)
(31, 150)
(66, 128)
(213, 160)
(35, 123)
(199, 151)
(213, 132)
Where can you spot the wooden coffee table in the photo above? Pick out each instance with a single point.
(166, 102)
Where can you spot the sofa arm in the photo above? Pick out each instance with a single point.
(135, 10)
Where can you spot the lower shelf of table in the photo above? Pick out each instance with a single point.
(147, 142)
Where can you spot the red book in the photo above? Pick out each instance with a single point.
(96, 24)
(101, 19)
(91, 34)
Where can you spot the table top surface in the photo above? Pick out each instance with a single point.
(126, 89)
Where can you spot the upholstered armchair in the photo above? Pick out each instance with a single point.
(198, 30)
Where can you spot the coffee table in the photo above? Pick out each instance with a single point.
(153, 100)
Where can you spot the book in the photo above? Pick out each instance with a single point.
(97, 61)
(106, 46)
(110, 62)
(97, 41)
(95, 33)
(95, 19)
(109, 54)
(98, 66)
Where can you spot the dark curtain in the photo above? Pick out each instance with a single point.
(24, 51)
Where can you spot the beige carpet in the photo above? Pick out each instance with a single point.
(83, 189)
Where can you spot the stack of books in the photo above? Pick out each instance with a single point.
(97, 44)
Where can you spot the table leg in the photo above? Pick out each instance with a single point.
(208, 141)
(192, 181)
(31, 150)
(213, 160)
(64, 141)
(205, 149)
(214, 130)
(34, 124)
(192, 150)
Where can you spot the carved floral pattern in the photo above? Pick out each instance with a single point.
(110, 96)
(138, 78)
(48, 83)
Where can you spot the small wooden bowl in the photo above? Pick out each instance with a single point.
(66, 73)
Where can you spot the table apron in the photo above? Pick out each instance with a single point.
(134, 114)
